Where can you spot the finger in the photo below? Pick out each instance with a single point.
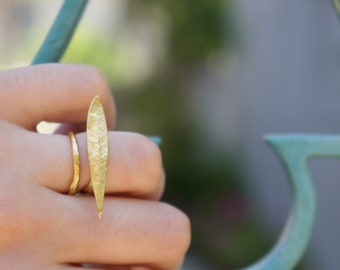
(99, 267)
(109, 267)
(53, 93)
(135, 166)
(132, 232)
(134, 163)
(66, 128)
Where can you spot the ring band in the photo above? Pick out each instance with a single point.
(76, 164)
(88, 189)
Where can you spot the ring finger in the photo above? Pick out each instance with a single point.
(132, 233)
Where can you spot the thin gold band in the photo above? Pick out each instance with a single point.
(88, 189)
(76, 164)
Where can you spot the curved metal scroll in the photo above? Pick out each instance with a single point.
(294, 151)
(61, 32)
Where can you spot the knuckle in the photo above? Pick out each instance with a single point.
(97, 84)
(95, 80)
(147, 160)
(8, 145)
(39, 76)
(178, 232)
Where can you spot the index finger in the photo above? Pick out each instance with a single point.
(54, 93)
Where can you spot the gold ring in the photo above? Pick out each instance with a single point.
(88, 189)
(97, 150)
(76, 164)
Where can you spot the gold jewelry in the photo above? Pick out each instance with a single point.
(98, 151)
(88, 189)
(76, 164)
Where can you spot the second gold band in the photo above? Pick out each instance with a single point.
(76, 164)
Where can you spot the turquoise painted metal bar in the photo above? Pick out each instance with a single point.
(61, 32)
(60, 35)
(294, 151)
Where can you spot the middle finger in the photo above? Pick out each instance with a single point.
(134, 163)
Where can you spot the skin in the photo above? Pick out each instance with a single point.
(44, 228)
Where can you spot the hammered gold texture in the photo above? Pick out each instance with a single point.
(97, 148)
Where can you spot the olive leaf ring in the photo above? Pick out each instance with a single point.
(97, 149)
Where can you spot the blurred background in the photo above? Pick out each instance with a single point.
(212, 77)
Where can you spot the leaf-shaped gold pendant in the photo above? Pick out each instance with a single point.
(97, 149)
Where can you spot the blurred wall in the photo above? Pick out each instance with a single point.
(285, 79)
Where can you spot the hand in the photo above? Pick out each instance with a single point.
(41, 227)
